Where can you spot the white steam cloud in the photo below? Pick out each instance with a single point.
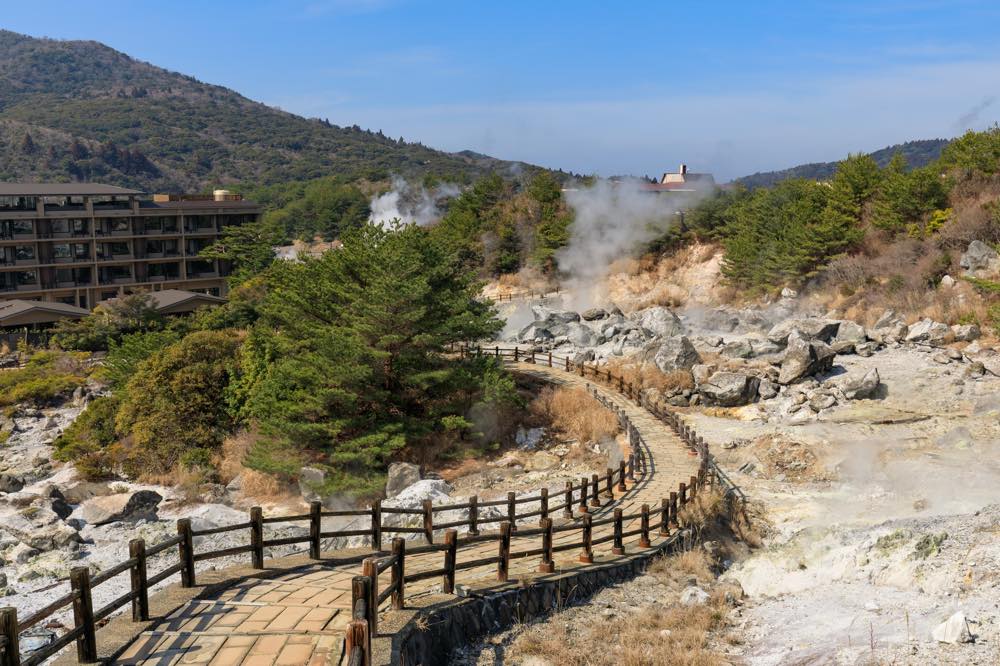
(613, 220)
(410, 204)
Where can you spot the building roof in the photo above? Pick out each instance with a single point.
(61, 190)
(171, 298)
(18, 312)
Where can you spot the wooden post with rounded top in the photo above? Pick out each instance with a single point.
(547, 565)
(587, 555)
(644, 526)
(618, 548)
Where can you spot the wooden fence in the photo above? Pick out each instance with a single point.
(584, 496)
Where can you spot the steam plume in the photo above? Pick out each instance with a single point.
(409, 204)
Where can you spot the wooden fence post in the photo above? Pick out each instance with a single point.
(568, 509)
(315, 527)
(665, 517)
(619, 546)
(516, 353)
(631, 467)
(11, 654)
(428, 521)
(450, 560)
(621, 476)
(567, 364)
(83, 615)
(503, 564)
(547, 565)
(512, 511)
(257, 537)
(398, 572)
(682, 493)
(474, 515)
(543, 501)
(359, 631)
(369, 569)
(377, 525)
(587, 556)
(693, 484)
(185, 551)
(137, 578)
(595, 491)
(550, 359)
(673, 507)
(583, 495)
(531, 359)
(644, 527)
(497, 351)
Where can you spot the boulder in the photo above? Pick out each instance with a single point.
(10, 483)
(729, 389)
(966, 332)
(593, 314)
(39, 527)
(980, 257)
(413, 496)
(659, 321)
(722, 321)
(947, 282)
(859, 388)
(765, 347)
(127, 507)
(576, 333)
(849, 335)
(81, 491)
(953, 630)
(311, 479)
(675, 353)
(809, 328)
(789, 293)
(702, 371)
(694, 595)
(767, 389)
(401, 475)
(930, 332)
(822, 401)
(737, 349)
(534, 331)
(586, 356)
(804, 358)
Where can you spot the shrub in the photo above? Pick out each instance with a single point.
(47, 376)
(175, 402)
(87, 441)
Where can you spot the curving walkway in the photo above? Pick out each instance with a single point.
(297, 615)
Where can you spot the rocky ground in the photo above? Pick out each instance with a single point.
(871, 454)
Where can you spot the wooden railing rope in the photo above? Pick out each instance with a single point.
(586, 495)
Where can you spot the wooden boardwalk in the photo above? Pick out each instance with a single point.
(299, 617)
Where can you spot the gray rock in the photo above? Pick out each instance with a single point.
(765, 348)
(594, 314)
(702, 371)
(534, 331)
(947, 282)
(127, 507)
(721, 320)
(675, 353)
(39, 527)
(729, 389)
(966, 332)
(803, 358)
(401, 475)
(737, 349)
(789, 293)
(586, 356)
(822, 401)
(953, 630)
(81, 491)
(311, 480)
(578, 334)
(693, 596)
(980, 257)
(859, 388)
(660, 321)
(930, 332)
(10, 483)
(865, 349)
(236, 485)
(809, 328)
(767, 389)
(849, 335)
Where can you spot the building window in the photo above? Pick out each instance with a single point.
(25, 278)
(23, 227)
(62, 251)
(17, 203)
(25, 253)
(119, 248)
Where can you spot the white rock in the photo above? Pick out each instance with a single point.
(693, 595)
(953, 630)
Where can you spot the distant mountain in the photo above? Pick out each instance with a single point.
(79, 110)
(917, 154)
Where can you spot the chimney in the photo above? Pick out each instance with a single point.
(683, 169)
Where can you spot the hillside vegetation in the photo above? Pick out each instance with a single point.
(79, 110)
(916, 153)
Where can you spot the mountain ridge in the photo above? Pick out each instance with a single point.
(81, 110)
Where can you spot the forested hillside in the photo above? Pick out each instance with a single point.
(75, 110)
(916, 153)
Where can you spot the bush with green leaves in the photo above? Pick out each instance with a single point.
(88, 441)
(47, 376)
(108, 323)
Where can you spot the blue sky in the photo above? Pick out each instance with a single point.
(594, 87)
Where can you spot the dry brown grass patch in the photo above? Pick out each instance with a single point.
(649, 376)
(575, 413)
(252, 483)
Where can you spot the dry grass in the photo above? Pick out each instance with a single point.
(649, 376)
(690, 273)
(666, 634)
(252, 483)
(575, 413)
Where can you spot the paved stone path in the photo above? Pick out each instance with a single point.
(299, 617)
